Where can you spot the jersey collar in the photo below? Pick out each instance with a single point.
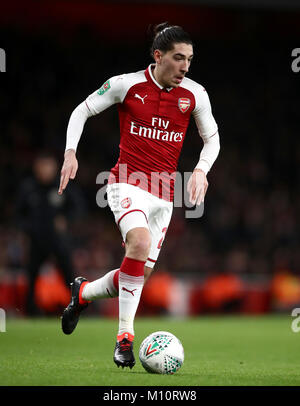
(152, 65)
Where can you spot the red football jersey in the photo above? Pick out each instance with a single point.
(153, 124)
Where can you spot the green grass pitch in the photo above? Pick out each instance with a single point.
(219, 351)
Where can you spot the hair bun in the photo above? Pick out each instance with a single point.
(159, 28)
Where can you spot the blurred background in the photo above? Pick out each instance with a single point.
(243, 255)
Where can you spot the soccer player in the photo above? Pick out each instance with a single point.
(154, 107)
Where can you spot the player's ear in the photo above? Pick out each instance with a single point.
(157, 54)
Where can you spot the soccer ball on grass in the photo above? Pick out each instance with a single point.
(161, 353)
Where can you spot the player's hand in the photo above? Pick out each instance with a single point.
(68, 170)
(197, 187)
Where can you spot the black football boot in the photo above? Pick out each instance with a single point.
(71, 313)
(124, 353)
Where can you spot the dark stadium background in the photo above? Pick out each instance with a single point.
(243, 254)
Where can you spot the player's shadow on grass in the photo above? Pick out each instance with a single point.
(130, 372)
(147, 373)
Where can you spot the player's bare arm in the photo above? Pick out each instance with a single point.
(69, 169)
(197, 186)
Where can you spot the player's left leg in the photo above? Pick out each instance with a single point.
(131, 282)
(158, 223)
(143, 246)
(142, 249)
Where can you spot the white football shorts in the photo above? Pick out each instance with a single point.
(134, 207)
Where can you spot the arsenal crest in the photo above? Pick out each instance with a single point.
(184, 104)
(126, 203)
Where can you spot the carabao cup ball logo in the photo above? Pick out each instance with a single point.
(157, 344)
(184, 104)
(126, 203)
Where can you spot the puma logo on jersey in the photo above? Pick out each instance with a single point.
(141, 98)
(129, 291)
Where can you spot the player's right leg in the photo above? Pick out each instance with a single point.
(72, 312)
(83, 292)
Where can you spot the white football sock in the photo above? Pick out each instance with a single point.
(101, 288)
(130, 289)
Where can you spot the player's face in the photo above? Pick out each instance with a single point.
(173, 65)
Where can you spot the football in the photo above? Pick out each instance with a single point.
(161, 353)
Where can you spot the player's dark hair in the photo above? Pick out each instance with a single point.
(165, 36)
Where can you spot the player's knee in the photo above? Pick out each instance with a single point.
(140, 247)
(138, 244)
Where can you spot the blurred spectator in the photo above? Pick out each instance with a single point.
(285, 291)
(157, 292)
(44, 216)
(222, 292)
